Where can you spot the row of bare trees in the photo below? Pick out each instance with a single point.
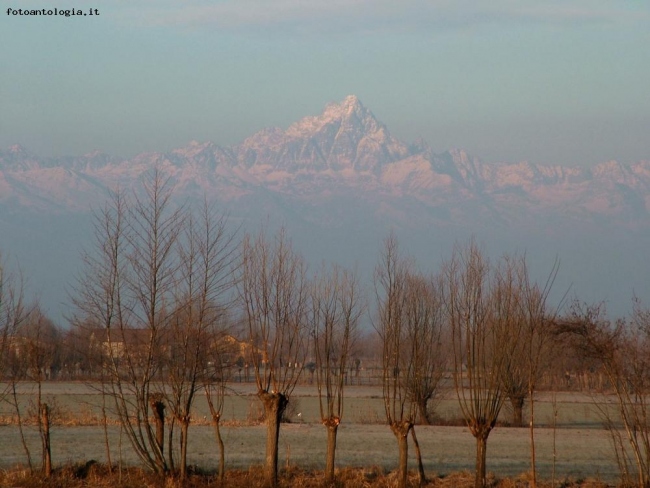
(160, 287)
(487, 324)
(156, 288)
(500, 337)
(288, 318)
(164, 288)
(501, 331)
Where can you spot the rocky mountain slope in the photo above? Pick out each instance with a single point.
(342, 155)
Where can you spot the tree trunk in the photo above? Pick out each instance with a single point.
(424, 415)
(19, 418)
(170, 448)
(517, 403)
(418, 456)
(185, 425)
(481, 449)
(332, 425)
(274, 406)
(222, 458)
(47, 452)
(533, 460)
(158, 408)
(401, 431)
(105, 428)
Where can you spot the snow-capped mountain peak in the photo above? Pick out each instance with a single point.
(345, 148)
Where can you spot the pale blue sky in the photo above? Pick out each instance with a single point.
(562, 82)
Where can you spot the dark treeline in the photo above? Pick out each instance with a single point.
(173, 303)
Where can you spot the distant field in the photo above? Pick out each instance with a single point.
(583, 449)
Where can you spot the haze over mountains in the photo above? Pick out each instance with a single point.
(339, 181)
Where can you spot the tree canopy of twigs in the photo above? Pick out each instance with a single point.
(620, 350)
(274, 293)
(482, 304)
(408, 326)
(336, 307)
(154, 291)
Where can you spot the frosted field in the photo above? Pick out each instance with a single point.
(582, 449)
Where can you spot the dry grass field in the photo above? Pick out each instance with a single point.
(578, 448)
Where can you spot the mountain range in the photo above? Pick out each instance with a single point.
(343, 151)
(340, 181)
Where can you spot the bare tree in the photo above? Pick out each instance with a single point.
(621, 351)
(155, 291)
(220, 356)
(336, 307)
(524, 367)
(127, 291)
(99, 314)
(536, 339)
(482, 306)
(398, 323)
(208, 257)
(273, 293)
(426, 336)
(153, 228)
(39, 352)
(13, 314)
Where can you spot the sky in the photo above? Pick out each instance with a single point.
(550, 82)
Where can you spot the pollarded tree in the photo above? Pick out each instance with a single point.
(523, 369)
(531, 338)
(398, 323)
(426, 335)
(482, 307)
(515, 371)
(335, 310)
(274, 296)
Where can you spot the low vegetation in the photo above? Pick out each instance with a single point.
(97, 475)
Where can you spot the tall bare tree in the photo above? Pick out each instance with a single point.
(482, 306)
(336, 307)
(208, 257)
(274, 296)
(524, 367)
(97, 298)
(536, 338)
(127, 291)
(390, 288)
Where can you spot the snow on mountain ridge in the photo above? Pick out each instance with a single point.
(344, 149)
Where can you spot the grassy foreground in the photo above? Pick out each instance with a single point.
(96, 475)
(577, 450)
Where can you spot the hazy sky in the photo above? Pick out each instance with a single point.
(545, 81)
